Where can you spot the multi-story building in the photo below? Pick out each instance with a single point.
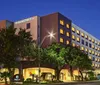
(5, 24)
(65, 32)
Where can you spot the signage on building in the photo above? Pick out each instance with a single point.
(25, 20)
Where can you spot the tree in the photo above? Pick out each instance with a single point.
(82, 62)
(55, 57)
(5, 75)
(71, 53)
(12, 47)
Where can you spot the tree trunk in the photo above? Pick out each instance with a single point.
(5, 80)
(11, 71)
(81, 74)
(57, 74)
(71, 72)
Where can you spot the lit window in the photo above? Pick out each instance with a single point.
(86, 36)
(95, 47)
(86, 49)
(61, 40)
(93, 64)
(73, 44)
(78, 46)
(61, 31)
(78, 32)
(98, 49)
(98, 43)
(95, 53)
(61, 22)
(67, 42)
(92, 46)
(82, 48)
(90, 57)
(73, 29)
(73, 37)
(93, 40)
(82, 34)
(89, 38)
(78, 39)
(67, 25)
(67, 34)
(89, 51)
(98, 54)
(92, 52)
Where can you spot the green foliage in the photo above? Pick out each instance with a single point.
(12, 47)
(55, 57)
(5, 74)
(91, 76)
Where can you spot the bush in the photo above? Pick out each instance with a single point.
(92, 76)
(28, 80)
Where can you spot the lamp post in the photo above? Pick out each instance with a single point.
(50, 35)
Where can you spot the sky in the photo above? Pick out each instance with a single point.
(84, 13)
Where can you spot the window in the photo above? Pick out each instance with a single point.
(93, 59)
(96, 53)
(86, 49)
(27, 25)
(89, 51)
(73, 29)
(83, 42)
(61, 31)
(73, 44)
(93, 46)
(89, 38)
(78, 32)
(61, 40)
(82, 48)
(93, 64)
(86, 43)
(61, 22)
(98, 43)
(93, 40)
(67, 25)
(73, 37)
(67, 34)
(90, 57)
(90, 45)
(67, 42)
(78, 39)
(86, 36)
(93, 52)
(98, 49)
(82, 34)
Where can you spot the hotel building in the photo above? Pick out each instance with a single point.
(66, 33)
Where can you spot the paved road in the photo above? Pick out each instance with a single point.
(83, 84)
(86, 83)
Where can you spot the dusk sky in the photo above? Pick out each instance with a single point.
(84, 13)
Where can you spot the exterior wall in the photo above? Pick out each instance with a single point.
(94, 55)
(65, 29)
(5, 24)
(49, 23)
(34, 26)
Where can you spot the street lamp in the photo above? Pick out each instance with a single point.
(50, 35)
